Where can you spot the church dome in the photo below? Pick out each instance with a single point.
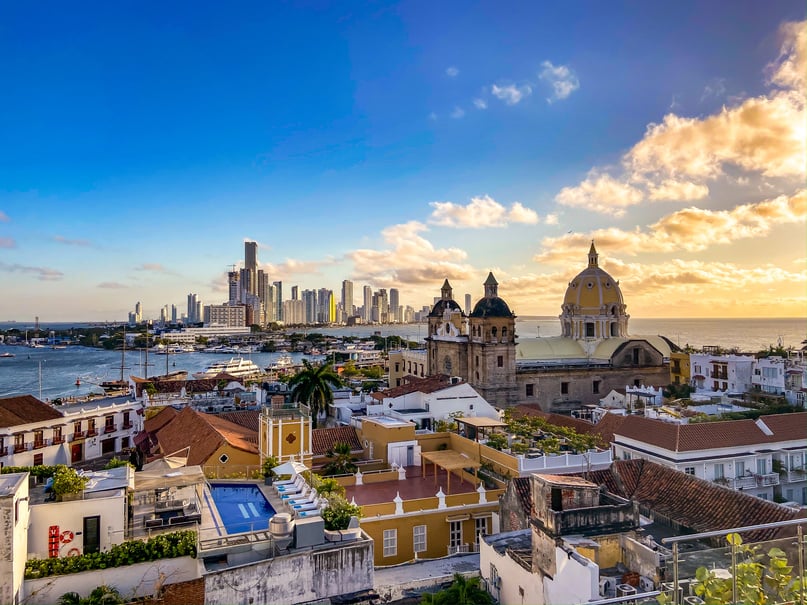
(446, 302)
(491, 305)
(593, 288)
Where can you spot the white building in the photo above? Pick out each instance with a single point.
(721, 373)
(33, 432)
(769, 374)
(14, 545)
(190, 335)
(227, 316)
(763, 457)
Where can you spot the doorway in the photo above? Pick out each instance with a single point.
(76, 452)
(92, 537)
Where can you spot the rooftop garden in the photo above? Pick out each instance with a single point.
(532, 434)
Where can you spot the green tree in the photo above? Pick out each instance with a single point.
(116, 462)
(463, 591)
(338, 513)
(100, 595)
(312, 386)
(340, 460)
(67, 481)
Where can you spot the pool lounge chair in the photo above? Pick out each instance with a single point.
(294, 492)
(297, 484)
(307, 513)
(307, 494)
(307, 506)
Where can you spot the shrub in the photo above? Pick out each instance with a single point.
(338, 513)
(67, 481)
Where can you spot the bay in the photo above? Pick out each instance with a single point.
(60, 369)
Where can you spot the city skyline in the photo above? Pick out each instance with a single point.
(396, 146)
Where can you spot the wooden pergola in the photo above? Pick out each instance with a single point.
(449, 460)
(477, 425)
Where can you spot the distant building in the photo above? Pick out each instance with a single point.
(230, 316)
(347, 299)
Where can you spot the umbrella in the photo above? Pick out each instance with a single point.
(291, 467)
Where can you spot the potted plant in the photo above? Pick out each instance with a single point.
(268, 474)
(337, 515)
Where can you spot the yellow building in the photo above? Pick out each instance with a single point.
(284, 431)
(679, 368)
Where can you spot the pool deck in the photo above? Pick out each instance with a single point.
(415, 486)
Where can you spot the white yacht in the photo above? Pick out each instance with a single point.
(236, 366)
(284, 362)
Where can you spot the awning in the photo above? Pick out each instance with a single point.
(452, 518)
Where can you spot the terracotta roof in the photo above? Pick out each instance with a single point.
(160, 419)
(325, 439)
(523, 488)
(24, 409)
(693, 503)
(202, 385)
(430, 384)
(249, 419)
(677, 437)
(608, 425)
(203, 434)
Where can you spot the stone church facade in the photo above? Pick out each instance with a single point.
(593, 355)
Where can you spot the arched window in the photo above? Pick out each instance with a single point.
(493, 332)
(504, 333)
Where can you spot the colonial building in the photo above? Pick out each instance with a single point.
(593, 355)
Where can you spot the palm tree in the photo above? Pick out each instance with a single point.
(340, 460)
(312, 386)
(463, 591)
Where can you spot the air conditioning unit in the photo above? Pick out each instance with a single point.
(624, 590)
(608, 587)
(646, 584)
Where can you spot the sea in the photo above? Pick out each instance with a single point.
(77, 371)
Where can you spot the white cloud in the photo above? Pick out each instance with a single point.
(680, 191)
(42, 273)
(715, 89)
(788, 71)
(511, 94)
(600, 193)
(452, 72)
(690, 229)
(479, 213)
(551, 219)
(457, 113)
(562, 79)
(480, 104)
(4, 217)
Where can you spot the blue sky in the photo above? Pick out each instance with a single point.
(143, 143)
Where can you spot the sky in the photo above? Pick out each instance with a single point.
(400, 144)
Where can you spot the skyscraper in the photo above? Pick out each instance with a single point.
(194, 308)
(233, 287)
(295, 292)
(251, 266)
(347, 298)
(394, 306)
(467, 304)
(368, 304)
(278, 300)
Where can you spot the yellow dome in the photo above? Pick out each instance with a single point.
(593, 288)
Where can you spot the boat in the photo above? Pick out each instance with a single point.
(236, 366)
(6, 354)
(284, 362)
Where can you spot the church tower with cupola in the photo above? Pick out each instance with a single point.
(593, 309)
(492, 347)
(447, 341)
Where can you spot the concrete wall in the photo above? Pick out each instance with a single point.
(517, 585)
(69, 516)
(13, 535)
(295, 578)
(139, 580)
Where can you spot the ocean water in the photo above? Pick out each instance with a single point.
(58, 370)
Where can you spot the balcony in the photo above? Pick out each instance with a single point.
(3, 451)
(460, 548)
(19, 447)
(92, 432)
(127, 425)
(57, 440)
(767, 480)
(78, 435)
(796, 474)
(39, 444)
(744, 482)
(110, 428)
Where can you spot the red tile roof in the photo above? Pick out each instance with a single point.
(249, 419)
(25, 409)
(325, 439)
(677, 437)
(411, 384)
(203, 434)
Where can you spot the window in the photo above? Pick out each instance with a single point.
(589, 329)
(504, 333)
(595, 387)
(739, 466)
(530, 390)
(390, 542)
(77, 427)
(38, 459)
(480, 529)
(477, 361)
(762, 466)
(109, 424)
(689, 470)
(637, 382)
(91, 427)
(564, 388)
(224, 458)
(455, 534)
(494, 332)
(494, 576)
(762, 496)
(39, 438)
(419, 538)
(719, 474)
(57, 434)
(500, 361)
(636, 356)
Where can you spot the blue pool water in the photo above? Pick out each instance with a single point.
(242, 507)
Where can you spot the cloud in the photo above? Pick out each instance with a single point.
(7, 242)
(716, 89)
(410, 259)
(452, 72)
(457, 113)
(42, 273)
(600, 193)
(4, 218)
(70, 242)
(562, 79)
(480, 103)
(551, 219)
(788, 71)
(511, 94)
(479, 213)
(154, 267)
(681, 191)
(433, 117)
(690, 229)
(112, 285)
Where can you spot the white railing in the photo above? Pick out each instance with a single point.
(459, 549)
(572, 462)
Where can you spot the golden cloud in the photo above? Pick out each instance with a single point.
(479, 213)
(601, 193)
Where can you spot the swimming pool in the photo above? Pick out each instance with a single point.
(242, 507)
